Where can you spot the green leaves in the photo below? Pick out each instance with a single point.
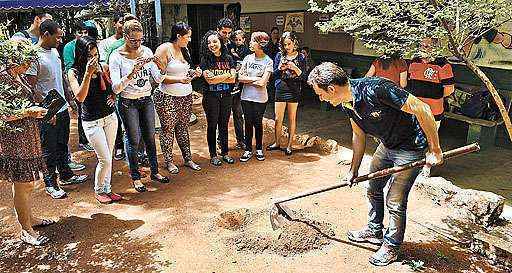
(389, 26)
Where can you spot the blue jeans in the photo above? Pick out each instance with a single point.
(396, 199)
(138, 117)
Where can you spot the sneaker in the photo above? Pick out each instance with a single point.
(240, 146)
(228, 159)
(86, 147)
(366, 235)
(173, 169)
(76, 166)
(215, 161)
(115, 197)
(384, 256)
(246, 156)
(103, 198)
(119, 155)
(75, 179)
(259, 155)
(55, 192)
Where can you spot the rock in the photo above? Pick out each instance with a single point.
(437, 188)
(483, 208)
(330, 146)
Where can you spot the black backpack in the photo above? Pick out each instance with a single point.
(481, 105)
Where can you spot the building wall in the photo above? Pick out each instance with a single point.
(251, 6)
(338, 42)
(171, 14)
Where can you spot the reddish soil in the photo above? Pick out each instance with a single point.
(217, 220)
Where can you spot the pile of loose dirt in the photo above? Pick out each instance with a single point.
(254, 233)
(233, 219)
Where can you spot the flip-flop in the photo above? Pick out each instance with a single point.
(44, 223)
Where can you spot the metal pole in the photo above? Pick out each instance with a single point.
(133, 5)
(158, 20)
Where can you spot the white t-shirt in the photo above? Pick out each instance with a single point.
(255, 67)
(140, 85)
(104, 46)
(48, 70)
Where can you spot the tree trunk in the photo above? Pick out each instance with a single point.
(480, 74)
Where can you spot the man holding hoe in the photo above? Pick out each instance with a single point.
(406, 129)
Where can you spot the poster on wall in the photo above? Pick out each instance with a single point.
(494, 49)
(294, 22)
(245, 23)
(279, 20)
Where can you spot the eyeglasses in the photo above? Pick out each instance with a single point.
(133, 41)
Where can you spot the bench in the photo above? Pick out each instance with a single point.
(479, 130)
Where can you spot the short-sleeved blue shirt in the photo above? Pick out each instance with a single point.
(377, 104)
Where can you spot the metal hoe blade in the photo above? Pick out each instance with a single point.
(279, 215)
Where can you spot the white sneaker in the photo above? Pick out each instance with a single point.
(55, 192)
(246, 156)
(259, 155)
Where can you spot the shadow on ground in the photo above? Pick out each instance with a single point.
(441, 256)
(99, 244)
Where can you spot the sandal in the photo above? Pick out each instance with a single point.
(288, 151)
(162, 179)
(194, 166)
(273, 147)
(31, 240)
(139, 188)
(44, 223)
(173, 169)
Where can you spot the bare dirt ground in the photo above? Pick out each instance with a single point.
(217, 220)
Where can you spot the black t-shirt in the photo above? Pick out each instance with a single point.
(377, 103)
(95, 104)
(287, 79)
(218, 66)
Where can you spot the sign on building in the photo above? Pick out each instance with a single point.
(294, 22)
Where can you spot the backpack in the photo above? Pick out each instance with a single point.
(481, 105)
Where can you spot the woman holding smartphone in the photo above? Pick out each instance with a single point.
(289, 66)
(131, 68)
(99, 120)
(219, 71)
(173, 99)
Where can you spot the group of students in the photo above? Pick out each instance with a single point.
(113, 84)
(236, 79)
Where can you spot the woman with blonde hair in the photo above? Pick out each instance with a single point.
(132, 67)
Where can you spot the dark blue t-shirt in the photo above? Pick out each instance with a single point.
(377, 104)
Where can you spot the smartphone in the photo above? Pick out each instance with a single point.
(191, 73)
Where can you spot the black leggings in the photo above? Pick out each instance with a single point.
(217, 107)
(253, 116)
